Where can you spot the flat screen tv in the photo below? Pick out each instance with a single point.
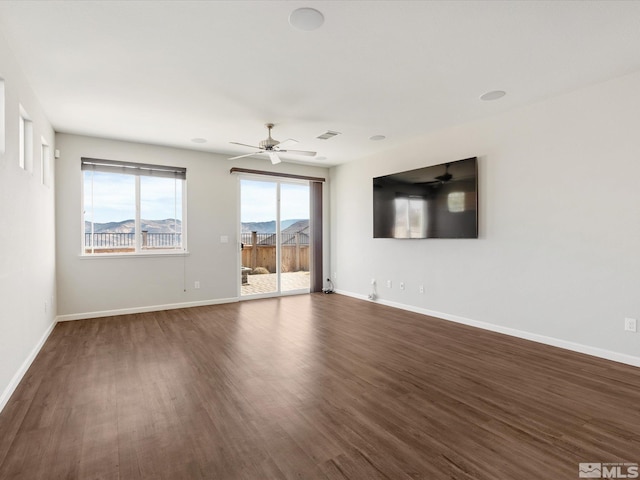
(439, 201)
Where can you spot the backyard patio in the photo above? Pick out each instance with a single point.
(266, 283)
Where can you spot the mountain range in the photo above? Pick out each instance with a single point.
(128, 226)
(266, 227)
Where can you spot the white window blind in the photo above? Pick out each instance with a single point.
(143, 169)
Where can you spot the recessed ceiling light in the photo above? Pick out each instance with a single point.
(320, 158)
(494, 95)
(306, 19)
(377, 137)
(199, 140)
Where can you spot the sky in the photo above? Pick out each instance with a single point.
(259, 201)
(114, 197)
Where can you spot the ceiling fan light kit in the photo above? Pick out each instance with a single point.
(269, 142)
(272, 147)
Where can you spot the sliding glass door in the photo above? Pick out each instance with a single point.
(275, 237)
(294, 237)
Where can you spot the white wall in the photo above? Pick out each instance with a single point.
(27, 240)
(90, 286)
(558, 253)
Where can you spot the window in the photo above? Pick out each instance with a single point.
(26, 141)
(45, 163)
(132, 207)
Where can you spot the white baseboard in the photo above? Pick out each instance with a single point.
(554, 342)
(150, 308)
(17, 378)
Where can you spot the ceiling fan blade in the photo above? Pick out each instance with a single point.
(300, 152)
(288, 141)
(274, 157)
(246, 155)
(245, 145)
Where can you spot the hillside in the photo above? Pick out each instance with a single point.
(127, 226)
(266, 227)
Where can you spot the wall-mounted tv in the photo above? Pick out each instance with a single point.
(439, 201)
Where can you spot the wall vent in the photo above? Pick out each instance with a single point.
(327, 135)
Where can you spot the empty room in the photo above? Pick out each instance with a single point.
(319, 240)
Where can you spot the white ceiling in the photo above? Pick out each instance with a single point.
(165, 72)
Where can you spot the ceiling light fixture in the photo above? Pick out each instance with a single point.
(199, 140)
(377, 137)
(493, 95)
(306, 19)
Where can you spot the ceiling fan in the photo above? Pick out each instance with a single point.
(446, 176)
(272, 147)
(440, 179)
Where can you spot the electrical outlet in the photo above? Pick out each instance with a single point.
(421, 288)
(196, 284)
(630, 325)
(46, 306)
(335, 275)
(388, 283)
(401, 285)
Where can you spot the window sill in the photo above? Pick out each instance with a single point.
(90, 256)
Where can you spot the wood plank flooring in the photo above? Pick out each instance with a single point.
(311, 387)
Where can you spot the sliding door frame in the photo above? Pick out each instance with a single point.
(279, 180)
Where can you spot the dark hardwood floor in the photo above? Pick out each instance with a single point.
(311, 387)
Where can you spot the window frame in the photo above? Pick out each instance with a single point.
(25, 141)
(45, 163)
(136, 170)
(3, 131)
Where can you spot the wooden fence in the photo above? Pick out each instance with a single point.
(294, 259)
(295, 255)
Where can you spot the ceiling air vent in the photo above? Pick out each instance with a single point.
(327, 135)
